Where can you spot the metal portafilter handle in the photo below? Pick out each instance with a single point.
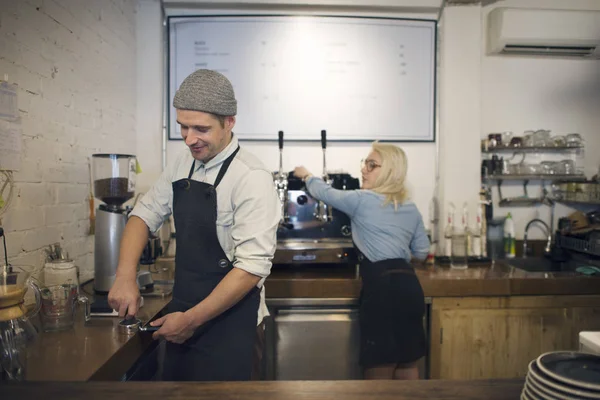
(280, 140)
(324, 147)
(280, 153)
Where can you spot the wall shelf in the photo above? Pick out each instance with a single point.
(520, 201)
(547, 177)
(509, 149)
(577, 202)
(502, 155)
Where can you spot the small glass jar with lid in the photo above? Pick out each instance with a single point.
(61, 272)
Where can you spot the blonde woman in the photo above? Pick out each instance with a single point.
(387, 231)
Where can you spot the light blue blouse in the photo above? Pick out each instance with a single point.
(379, 231)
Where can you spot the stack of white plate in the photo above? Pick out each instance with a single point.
(563, 375)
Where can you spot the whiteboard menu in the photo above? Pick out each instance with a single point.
(360, 79)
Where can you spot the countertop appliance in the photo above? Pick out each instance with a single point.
(114, 177)
(310, 231)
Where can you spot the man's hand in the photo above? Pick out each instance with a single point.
(124, 296)
(176, 327)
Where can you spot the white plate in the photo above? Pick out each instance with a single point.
(556, 386)
(571, 363)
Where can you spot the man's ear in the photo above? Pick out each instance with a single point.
(229, 123)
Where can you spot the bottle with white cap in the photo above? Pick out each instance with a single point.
(509, 237)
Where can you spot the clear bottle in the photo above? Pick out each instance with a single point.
(449, 231)
(465, 227)
(460, 243)
(476, 237)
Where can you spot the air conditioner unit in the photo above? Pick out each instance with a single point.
(539, 32)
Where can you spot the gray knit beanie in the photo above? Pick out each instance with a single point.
(207, 91)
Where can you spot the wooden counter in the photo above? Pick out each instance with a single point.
(98, 351)
(321, 390)
(95, 350)
(487, 279)
(487, 321)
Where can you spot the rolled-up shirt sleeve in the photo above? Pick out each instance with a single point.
(156, 204)
(256, 215)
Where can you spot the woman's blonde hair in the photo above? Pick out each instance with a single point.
(392, 177)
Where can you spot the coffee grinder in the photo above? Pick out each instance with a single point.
(114, 178)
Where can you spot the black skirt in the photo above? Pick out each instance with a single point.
(391, 311)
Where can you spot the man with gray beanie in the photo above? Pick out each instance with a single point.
(226, 214)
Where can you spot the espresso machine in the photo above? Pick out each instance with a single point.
(114, 177)
(310, 231)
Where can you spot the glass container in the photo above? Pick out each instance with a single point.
(114, 177)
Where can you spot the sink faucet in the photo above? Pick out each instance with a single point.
(548, 233)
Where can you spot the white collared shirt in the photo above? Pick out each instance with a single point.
(248, 208)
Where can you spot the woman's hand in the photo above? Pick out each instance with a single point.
(301, 172)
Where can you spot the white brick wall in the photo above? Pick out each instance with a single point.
(75, 64)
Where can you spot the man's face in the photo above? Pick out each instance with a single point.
(203, 133)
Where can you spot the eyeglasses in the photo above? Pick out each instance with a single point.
(369, 165)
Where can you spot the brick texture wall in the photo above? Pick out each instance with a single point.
(74, 62)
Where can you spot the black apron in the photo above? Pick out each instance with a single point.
(221, 349)
(391, 311)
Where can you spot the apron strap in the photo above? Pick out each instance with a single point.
(222, 171)
(224, 167)
(192, 170)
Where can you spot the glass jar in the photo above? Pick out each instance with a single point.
(114, 177)
(459, 258)
(61, 272)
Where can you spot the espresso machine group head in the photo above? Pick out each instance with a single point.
(114, 177)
